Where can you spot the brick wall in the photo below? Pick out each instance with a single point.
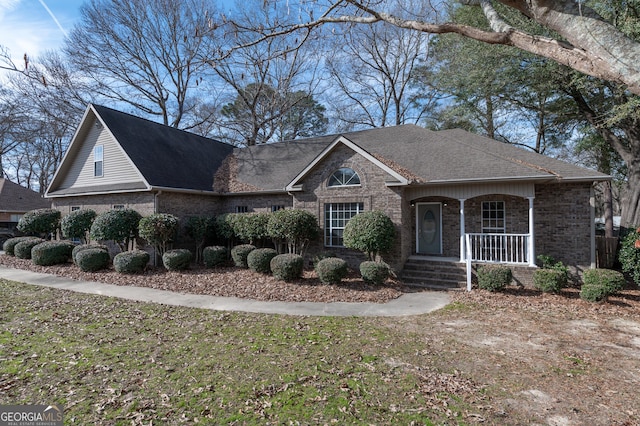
(142, 202)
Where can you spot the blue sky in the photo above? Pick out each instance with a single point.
(34, 26)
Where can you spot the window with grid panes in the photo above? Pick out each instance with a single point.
(493, 215)
(336, 216)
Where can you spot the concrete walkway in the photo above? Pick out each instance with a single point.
(408, 304)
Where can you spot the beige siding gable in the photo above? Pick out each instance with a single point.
(117, 167)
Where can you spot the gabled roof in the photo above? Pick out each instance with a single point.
(165, 157)
(18, 199)
(418, 155)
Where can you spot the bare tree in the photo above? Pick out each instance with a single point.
(145, 53)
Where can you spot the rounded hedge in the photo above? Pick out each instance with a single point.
(331, 270)
(177, 259)
(629, 254)
(52, 253)
(77, 224)
(494, 277)
(39, 222)
(131, 262)
(93, 259)
(77, 249)
(549, 280)
(119, 226)
(294, 227)
(287, 267)
(250, 227)
(374, 272)
(159, 229)
(22, 250)
(259, 260)
(598, 284)
(370, 232)
(215, 256)
(239, 254)
(9, 245)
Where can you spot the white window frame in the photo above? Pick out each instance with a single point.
(336, 217)
(118, 207)
(494, 217)
(340, 178)
(98, 158)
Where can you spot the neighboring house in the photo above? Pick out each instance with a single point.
(441, 189)
(15, 201)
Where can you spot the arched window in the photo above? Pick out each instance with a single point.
(344, 177)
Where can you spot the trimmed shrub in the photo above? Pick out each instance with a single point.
(10, 244)
(598, 284)
(374, 272)
(215, 256)
(331, 270)
(131, 262)
(93, 259)
(239, 254)
(287, 267)
(119, 226)
(22, 250)
(250, 227)
(52, 253)
(629, 254)
(177, 260)
(494, 277)
(77, 224)
(201, 229)
(259, 260)
(294, 227)
(370, 232)
(77, 249)
(224, 226)
(159, 229)
(41, 222)
(549, 280)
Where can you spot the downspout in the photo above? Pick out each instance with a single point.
(532, 241)
(155, 201)
(592, 233)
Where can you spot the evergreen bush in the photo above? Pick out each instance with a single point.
(629, 254)
(598, 284)
(370, 232)
(52, 253)
(177, 259)
(215, 256)
(10, 244)
(293, 227)
(77, 224)
(131, 262)
(259, 260)
(250, 227)
(331, 270)
(159, 230)
(22, 250)
(374, 272)
(119, 226)
(494, 277)
(239, 254)
(201, 229)
(77, 249)
(287, 267)
(41, 222)
(92, 259)
(224, 226)
(549, 280)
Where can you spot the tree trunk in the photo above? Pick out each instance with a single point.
(631, 198)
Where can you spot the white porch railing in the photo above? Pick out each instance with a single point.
(498, 248)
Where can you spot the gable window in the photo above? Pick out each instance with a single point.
(493, 215)
(344, 177)
(242, 209)
(336, 216)
(98, 159)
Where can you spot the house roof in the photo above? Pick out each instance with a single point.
(420, 155)
(165, 156)
(18, 199)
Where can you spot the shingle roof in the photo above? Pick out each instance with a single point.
(18, 199)
(421, 155)
(166, 157)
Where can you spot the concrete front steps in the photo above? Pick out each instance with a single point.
(436, 273)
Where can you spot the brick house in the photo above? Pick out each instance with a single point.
(15, 201)
(449, 192)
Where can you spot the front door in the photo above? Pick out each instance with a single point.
(429, 228)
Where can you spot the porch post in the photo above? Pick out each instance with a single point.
(462, 231)
(532, 246)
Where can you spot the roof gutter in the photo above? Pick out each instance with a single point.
(518, 179)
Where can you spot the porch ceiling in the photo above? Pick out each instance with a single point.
(467, 191)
